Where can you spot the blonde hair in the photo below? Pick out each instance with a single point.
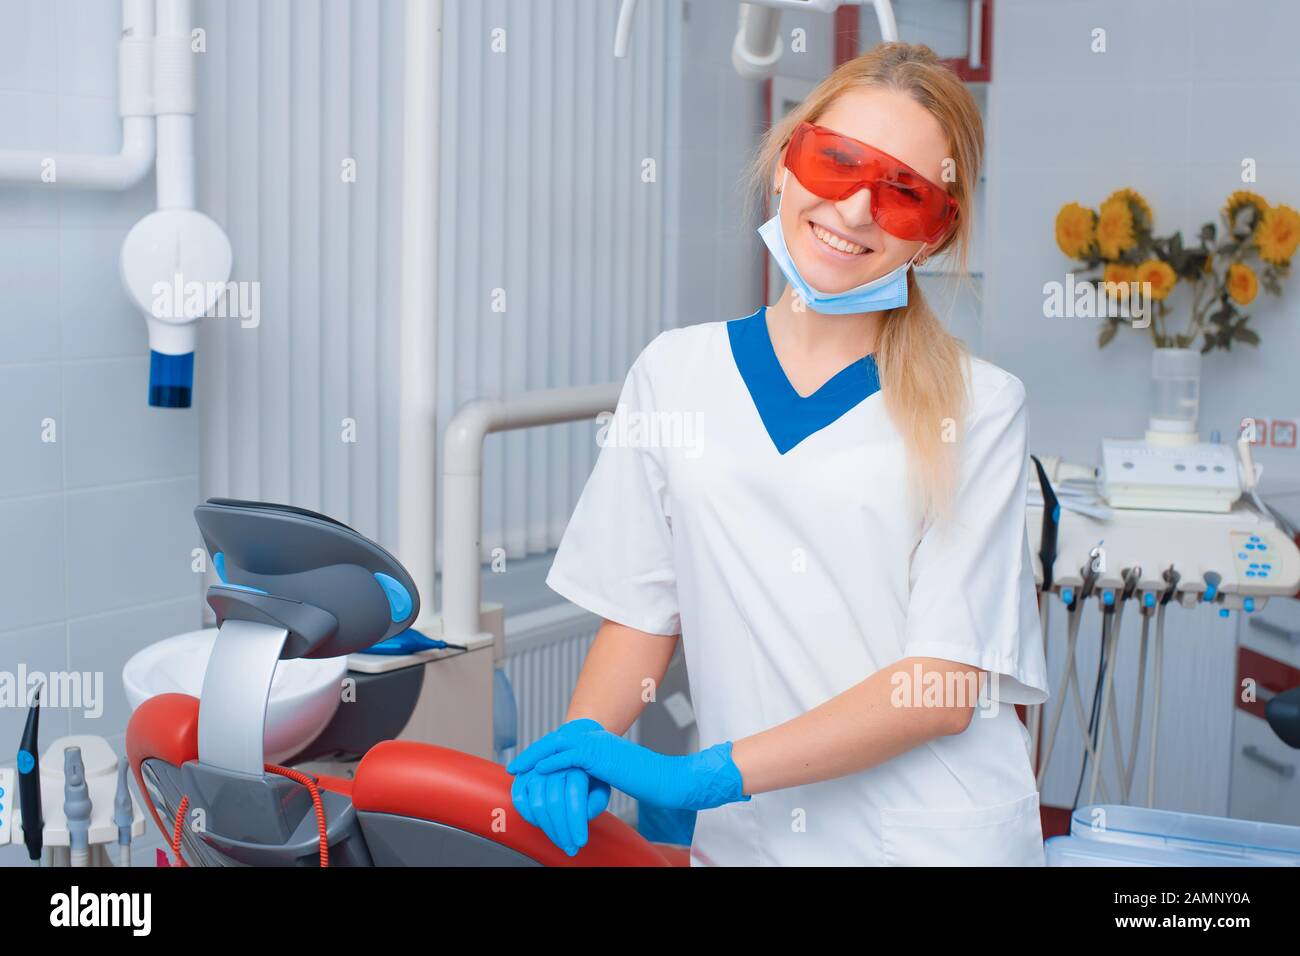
(922, 366)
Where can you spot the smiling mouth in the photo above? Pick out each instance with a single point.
(837, 243)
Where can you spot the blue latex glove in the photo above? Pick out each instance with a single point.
(560, 804)
(697, 781)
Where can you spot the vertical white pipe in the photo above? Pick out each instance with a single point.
(175, 96)
(418, 424)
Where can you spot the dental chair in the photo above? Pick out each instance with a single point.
(299, 584)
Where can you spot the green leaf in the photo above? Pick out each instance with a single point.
(1208, 232)
(1243, 334)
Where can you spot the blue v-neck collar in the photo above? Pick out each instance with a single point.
(788, 416)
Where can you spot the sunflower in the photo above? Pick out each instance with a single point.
(1114, 228)
(1075, 230)
(1160, 275)
(1242, 199)
(1134, 200)
(1118, 274)
(1243, 285)
(1278, 235)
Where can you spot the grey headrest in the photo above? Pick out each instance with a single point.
(334, 590)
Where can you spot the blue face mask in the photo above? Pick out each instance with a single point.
(887, 292)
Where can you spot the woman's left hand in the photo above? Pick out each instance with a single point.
(697, 781)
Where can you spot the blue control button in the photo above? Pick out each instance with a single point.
(1250, 547)
(1261, 547)
(1251, 574)
(25, 761)
(1248, 604)
(1243, 555)
(1067, 595)
(1148, 600)
(399, 599)
(219, 562)
(1108, 597)
(1254, 537)
(1254, 565)
(1211, 591)
(1223, 612)
(1267, 567)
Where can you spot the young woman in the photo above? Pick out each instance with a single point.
(842, 548)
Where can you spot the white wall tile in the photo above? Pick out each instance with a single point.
(32, 585)
(131, 545)
(29, 395)
(29, 300)
(28, 46)
(113, 435)
(102, 644)
(95, 315)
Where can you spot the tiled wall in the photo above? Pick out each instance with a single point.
(1185, 91)
(95, 526)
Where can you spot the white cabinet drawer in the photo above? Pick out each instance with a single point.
(1265, 773)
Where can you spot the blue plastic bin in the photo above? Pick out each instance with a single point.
(1247, 842)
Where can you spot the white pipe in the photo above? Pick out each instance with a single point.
(626, 13)
(885, 20)
(462, 481)
(131, 163)
(175, 101)
(758, 43)
(417, 416)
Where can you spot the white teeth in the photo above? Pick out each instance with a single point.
(835, 242)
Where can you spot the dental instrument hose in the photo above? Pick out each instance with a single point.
(1136, 735)
(1155, 703)
(1171, 577)
(1091, 737)
(1107, 678)
(1074, 611)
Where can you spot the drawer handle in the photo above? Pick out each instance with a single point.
(1268, 627)
(1284, 770)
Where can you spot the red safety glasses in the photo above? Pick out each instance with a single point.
(903, 202)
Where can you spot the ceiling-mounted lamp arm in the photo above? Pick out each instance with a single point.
(757, 46)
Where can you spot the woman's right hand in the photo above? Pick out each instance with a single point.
(560, 804)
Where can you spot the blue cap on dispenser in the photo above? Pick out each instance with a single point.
(171, 379)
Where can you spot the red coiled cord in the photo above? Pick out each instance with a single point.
(176, 832)
(314, 790)
(296, 777)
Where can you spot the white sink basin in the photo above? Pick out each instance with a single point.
(304, 693)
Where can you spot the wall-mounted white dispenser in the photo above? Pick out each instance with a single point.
(175, 265)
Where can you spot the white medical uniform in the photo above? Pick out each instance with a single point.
(775, 533)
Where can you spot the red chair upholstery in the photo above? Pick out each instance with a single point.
(460, 790)
(412, 779)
